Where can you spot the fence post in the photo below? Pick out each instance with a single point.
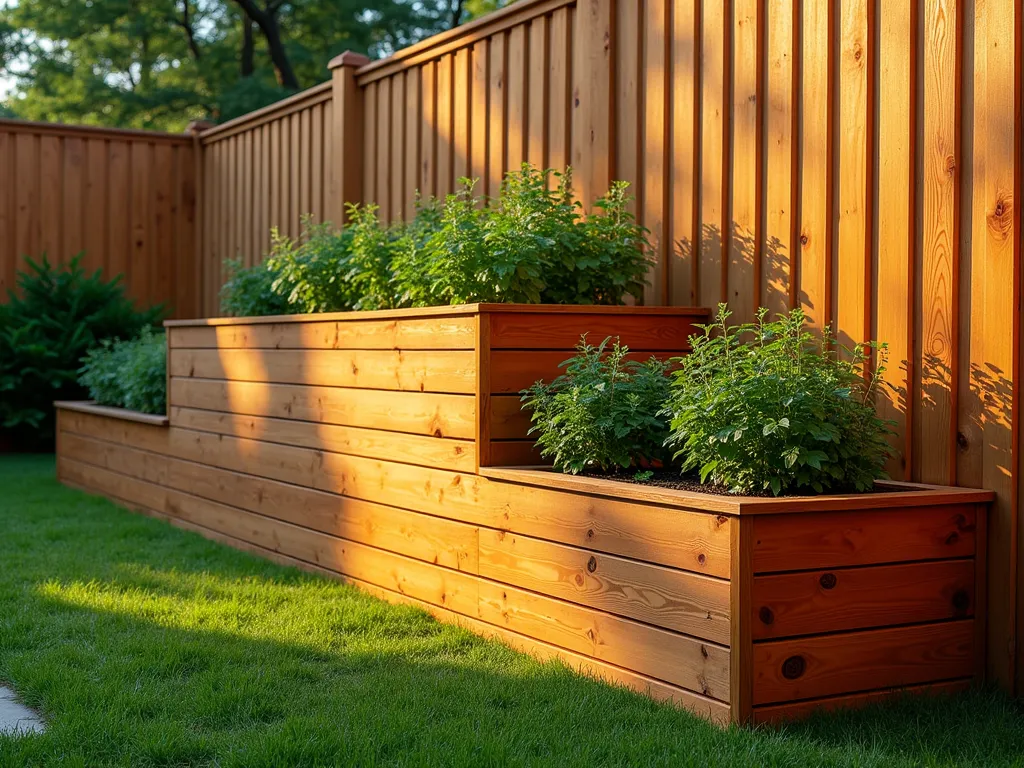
(346, 172)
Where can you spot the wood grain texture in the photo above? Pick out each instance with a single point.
(120, 198)
(862, 661)
(791, 711)
(813, 602)
(420, 413)
(549, 330)
(414, 371)
(689, 603)
(789, 543)
(430, 451)
(411, 333)
(683, 661)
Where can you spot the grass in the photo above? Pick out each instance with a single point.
(144, 645)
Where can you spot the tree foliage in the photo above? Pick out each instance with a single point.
(160, 63)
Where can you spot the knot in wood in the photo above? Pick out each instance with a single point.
(793, 667)
(953, 538)
(702, 558)
(592, 564)
(590, 533)
(804, 239)
(961, 601)
(961, 441)
(828, 581)
(766, 615)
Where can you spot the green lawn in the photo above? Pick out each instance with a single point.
(145, 645)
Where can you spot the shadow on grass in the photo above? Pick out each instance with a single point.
(146, 645)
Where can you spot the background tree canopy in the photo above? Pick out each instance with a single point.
(160, 63)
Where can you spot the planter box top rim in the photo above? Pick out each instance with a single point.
(901, 495)
(459, 310)
(91, 406)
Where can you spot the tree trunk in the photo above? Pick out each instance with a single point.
(248, 48)
(266, 20)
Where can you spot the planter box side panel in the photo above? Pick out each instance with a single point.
(846, 607)
(524, 347)
(612, 588)
(389, 388)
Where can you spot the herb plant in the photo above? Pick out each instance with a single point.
(603, 413)
(131, 373)
(769, 406)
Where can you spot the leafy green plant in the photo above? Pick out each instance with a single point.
(603, 413)
(57, 315)
(250, 292)
(769, 406)
(311, 274)
(128, 373)
(532, 245)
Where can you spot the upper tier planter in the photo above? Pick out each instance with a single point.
(365, 445)
(458, 369)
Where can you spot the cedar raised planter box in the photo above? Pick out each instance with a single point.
(363, 446)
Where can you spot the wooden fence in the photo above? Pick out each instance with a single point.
(263, 170)
(127, 198)
(859, 159)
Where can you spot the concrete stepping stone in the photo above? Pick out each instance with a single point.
(15, 717)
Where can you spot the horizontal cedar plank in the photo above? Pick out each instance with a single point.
(683, 661)
(814, 602)
(714, 710)
(837, 539)
(436, 540)
(686, 602)
(509, 420)
(414, 333)
(372, 443)
(516, 453)
(95, 479)
(795, 710)
(516, 370)
(425, 581)
(421, 489)
(415, 371)
(863, 661)
(694, 541)
(422, 413)
(562, 332)
(91, 406)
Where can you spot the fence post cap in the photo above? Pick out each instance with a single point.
(348, 59)
(198, 126)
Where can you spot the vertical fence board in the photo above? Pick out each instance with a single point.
(893, 322)
(743, 246)
(713, 154)
(654, 143)
(462, 114)
(685, 153)
(939, 267)
(813, 271)
(778, 244)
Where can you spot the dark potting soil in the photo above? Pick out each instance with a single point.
(670, 478)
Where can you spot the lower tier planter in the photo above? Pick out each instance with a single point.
(738, 609)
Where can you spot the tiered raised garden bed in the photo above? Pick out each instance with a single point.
(370, 446)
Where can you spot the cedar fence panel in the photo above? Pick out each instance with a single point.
(125, 198)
